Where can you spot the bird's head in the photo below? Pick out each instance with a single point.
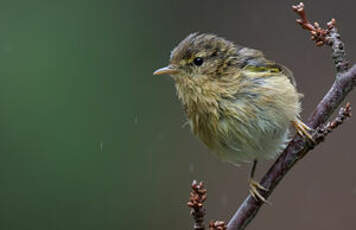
(201, 56)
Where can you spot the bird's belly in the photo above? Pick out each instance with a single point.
(235, 148)
(236, 142)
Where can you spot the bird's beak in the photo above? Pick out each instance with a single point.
(170, 70)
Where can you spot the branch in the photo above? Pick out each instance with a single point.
(297, 148)
(196, 200)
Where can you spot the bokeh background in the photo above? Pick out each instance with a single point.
(89, 139)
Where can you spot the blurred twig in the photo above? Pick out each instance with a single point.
(297, 148)
(196, 199)
(196, 202)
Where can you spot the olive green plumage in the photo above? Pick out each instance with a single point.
(239, 103)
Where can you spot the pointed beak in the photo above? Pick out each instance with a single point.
(170, 70)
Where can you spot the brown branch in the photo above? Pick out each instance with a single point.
(297, 148)
(318, 34)
(196, 200)
(321, 36)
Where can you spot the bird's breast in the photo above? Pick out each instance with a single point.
(202, 110)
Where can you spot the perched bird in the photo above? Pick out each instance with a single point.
(239, 103)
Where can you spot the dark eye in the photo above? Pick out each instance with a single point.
(198, 61)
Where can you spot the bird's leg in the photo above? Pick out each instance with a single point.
(254, 186)
(302, 129)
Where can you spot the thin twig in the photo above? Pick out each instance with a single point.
(297, 148)
(196, 202)
(197, 197)
(320, 36)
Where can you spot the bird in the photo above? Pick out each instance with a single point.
(240, 104)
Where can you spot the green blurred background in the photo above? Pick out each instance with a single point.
(89, 139)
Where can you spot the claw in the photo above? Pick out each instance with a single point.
(303, 130)
(254, 186)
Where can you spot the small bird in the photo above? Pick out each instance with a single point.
(239, 103)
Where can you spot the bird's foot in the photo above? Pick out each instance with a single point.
(254, 186)
(303, 130)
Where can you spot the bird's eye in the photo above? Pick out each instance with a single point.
(198, 61)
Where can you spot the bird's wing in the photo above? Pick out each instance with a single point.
(254, 61)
